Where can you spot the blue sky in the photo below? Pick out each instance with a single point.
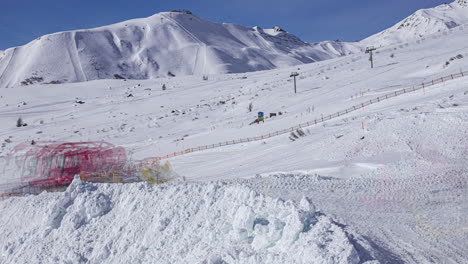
(312, 20)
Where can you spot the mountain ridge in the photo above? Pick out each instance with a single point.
(179, 43)
(165, 44)
(422, 23)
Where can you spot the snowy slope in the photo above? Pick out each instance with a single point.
(401, 182)
(422, 23)
(215, 110)
(165, 43)
(405, 171)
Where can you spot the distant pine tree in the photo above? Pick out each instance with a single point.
(19, 122)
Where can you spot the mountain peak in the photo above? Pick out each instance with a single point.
(422, 23)
(164, 44)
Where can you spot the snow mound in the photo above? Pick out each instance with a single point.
(174, 223)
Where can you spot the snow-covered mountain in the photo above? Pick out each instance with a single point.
(384, 184)
(179, 43)
(165, 44)
(422, 23)
(395, 171)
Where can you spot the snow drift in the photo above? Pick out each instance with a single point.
(176, 223)
(165, 44)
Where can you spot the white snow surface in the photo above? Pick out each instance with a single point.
(401, 182)
(193, 223)
(422, 23)
(163, 44)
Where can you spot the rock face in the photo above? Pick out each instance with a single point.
(422, 23)
(165, 44)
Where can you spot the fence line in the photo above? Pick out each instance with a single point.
(23, 189)
(316, 121)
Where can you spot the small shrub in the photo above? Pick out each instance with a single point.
(296, 134)
(20, 123)
(32, 80)
(300, 132)
(293, 136)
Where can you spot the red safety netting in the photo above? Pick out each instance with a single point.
(56, 163)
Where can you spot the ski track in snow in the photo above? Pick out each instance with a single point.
(373, 205)
(200, 43)
(75, 59)
(8, 63)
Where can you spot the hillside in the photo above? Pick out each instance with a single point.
(395, 171)
(422, 24)
(165, 44)
(386, 183)
(177, 43)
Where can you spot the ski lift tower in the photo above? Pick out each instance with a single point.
(371, 58)
(294, 74)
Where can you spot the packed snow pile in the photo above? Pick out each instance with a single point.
(165, 44)
(174, 223)
(423, 23)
